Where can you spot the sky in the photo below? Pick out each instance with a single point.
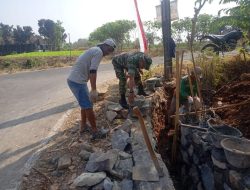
(81, 17)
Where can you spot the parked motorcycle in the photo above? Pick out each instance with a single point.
(222, 43)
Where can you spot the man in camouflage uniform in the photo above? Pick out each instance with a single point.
(129, 65)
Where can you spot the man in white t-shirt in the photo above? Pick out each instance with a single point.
(84, 70)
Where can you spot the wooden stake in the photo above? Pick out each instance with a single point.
(147, 140)
(174, 147)
(213, 109)
(182, 55)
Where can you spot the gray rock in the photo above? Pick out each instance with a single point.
(84, 154)
(139, 102)
(99, 186)
(126, 164)
(119, 139)
(196, 160)
(111, 115)
(218, 154)
(116, 186)
(199, 186)
(246, 180)
(235, 180)
(196, 138)
(89, 179)
(190, 150)
(193, 172)
(64, 162)
(102, 161)
(145, 185)
(108, 184)
(207, 177)
(219, 178)
(87, 147)
(142, 156)
(145, 173)
(126, 126)
(185, 136)
(126, 184)
(226, 187)
(217, 163)
(185, 157)
(114, 107)
(123, 155)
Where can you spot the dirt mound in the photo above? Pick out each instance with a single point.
(160, 104)
(234, 93)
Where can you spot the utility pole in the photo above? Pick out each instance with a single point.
(166, 33)
(69, 48)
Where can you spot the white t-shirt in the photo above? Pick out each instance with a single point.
(87, 61)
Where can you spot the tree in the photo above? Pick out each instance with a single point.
(22, 35)
(60, 35)
(117, 30)
(81, 43)
(151, 31)
(238, 16)
(204, 24)
(52, 32)
(6, 32)
(182, 28)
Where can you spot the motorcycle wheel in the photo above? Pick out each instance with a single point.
(210, 48)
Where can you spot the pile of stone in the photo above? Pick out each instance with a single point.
(205, 166)
(127, 165)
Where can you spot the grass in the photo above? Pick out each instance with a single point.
(45, 54)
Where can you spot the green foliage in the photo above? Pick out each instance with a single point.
(22, 35)
(117, 30)
(6, 32)
(45, 54)
(53, 33)
(151, 29)
(238, 16)
(81, 43)
(218, 71)
(181, 28)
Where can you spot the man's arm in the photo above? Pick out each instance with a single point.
(131, 82)
(92, 78)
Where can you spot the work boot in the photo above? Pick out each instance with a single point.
(141, 91)
(123, 102)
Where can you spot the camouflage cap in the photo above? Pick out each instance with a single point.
(148, 62)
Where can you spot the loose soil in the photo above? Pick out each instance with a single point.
(236, 92)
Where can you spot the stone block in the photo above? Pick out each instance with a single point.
(145, 173)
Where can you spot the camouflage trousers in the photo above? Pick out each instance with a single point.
(121, 75)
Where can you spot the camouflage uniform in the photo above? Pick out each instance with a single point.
(128, 62)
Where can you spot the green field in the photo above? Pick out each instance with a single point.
(45, 54)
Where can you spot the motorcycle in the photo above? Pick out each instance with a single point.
(222, 43)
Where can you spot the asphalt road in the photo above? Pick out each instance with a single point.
(31, 105)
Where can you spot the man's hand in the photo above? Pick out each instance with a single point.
(93, 95)
(190, 100)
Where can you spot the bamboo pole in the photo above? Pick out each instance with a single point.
(174, 147)
(213, 109)
(182, 56)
